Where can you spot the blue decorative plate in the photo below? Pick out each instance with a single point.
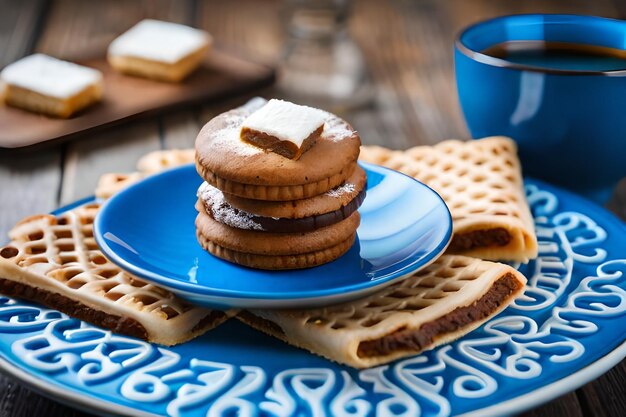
(148, 229)
(566, 330)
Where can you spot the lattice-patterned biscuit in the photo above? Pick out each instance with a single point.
(446, 300)
(55, 261)
(481, 183)
(158, 161)
(110, 184)
(151, 163)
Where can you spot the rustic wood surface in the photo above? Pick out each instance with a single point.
(407, 47)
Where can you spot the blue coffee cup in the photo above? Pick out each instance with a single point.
(570, 126)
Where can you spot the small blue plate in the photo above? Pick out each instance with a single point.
(148, 229)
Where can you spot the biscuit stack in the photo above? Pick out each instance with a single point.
(261, 209)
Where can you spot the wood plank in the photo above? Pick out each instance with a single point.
(115, 150)
(566, 405)
(606, 396)
(246, 25)
(375, 124)
(409, 57)
(16, 401)
(618, 202)
(77, 27)
(620, 6)
(19, 28)
(179, 130)
(30, 185)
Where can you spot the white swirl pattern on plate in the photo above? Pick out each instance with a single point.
(513, 346)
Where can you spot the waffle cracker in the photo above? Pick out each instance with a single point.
(482, 185)
(151, 163)
(55, 261)
(158, 161)
(110, 184)
(408, 317)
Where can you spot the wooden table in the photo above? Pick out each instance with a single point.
(407, 46)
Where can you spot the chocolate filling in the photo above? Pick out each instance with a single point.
(262, 324)
(215, 316)
(117, 324)
(305, 224)
(480, 239)
(413, 340)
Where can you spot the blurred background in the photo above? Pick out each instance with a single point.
(389, 64)
(385, 66)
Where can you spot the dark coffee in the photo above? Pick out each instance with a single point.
(560, 55)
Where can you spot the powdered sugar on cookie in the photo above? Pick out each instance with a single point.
(227, 138)
(335, 130)
(223, 212)
(342, 190)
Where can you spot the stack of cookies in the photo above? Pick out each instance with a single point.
(282, 186)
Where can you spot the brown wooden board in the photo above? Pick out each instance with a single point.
(125, 97)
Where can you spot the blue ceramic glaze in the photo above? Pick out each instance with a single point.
(404, 226)
(569, 125)
(567, 329)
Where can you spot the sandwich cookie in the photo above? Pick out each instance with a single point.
(242, 169)
(285, 217)
(267, 250)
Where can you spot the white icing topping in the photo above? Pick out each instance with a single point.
(286, 121)
(342, 190)
(159, 41)
(50, 76)
(224, 212)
